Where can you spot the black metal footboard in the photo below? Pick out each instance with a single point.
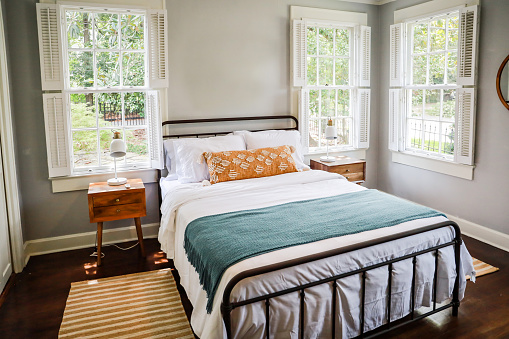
(227, 306)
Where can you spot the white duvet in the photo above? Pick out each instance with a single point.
(185, 203)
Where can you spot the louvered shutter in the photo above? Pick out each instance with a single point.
(365, 56)
(396, 55)
(48, 22)
(157, 56)
(299, 53)
(155, 129)
(395, 96)
(304, 118)
(465, 122)
(57, 137)
(362, 118)
(467, 46)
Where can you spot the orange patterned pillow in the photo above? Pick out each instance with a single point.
(254, 163)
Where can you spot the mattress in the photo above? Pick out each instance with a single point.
(183, 203)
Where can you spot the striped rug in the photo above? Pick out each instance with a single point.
(141, 305)
(481, 268)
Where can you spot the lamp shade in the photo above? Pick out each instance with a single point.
(117, 147)
(330, 131)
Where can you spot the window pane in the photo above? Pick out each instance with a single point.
(110, 109)
(452, 22)
(311, 41)
(137, 145)
(105, 138)
(132, 31)
(437, 39)
(447, 138)
(326, 41)
(325, 71)
(106, 30)
(344, 102)
(79, 29)
(342, 71)
(452, 39)
(432, 104)
(420, 38)
(414, 133)
(311, 71)
(84, 145)
(133, 69)
(81, 71)
(313, 103)
(313, 132)
(134, 108)
(437, 69)
(431, 136)
(108, 74)
(419, 70)
(343, 127)
(83, 110)
(417, 100)
(449, 105)
(328, 97)
(342, 42)
(438, 23)
(452, 67)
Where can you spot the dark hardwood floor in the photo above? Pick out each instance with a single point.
(34, 305)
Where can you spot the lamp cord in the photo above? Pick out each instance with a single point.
(115, 245)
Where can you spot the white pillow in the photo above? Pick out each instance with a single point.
(171, 161)
(274, 138)
(188, 153)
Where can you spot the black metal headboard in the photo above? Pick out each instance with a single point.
(216, 120)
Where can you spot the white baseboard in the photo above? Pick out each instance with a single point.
(481, 233)
(84, 240)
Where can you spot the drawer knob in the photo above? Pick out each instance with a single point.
(347, 170)
(117, 200)
(118, 211)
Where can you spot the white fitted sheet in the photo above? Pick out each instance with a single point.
(183, 203)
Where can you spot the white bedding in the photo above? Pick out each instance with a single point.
(182, 203)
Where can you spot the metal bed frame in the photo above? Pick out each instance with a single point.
(228, 306)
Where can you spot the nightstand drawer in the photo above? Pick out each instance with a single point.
(347, 169)
(119, 211)
(118, 199)
(354, 176)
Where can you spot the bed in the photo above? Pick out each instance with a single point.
(335, 287)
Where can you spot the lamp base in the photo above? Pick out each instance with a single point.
(116, 181)
(327, 158)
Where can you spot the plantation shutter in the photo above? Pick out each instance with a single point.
(362, 118)
(57, 137)
(365, 56)
(155, 130)
(465, 122)
(395, 96)
(299, 53)
(467, 46)
(304, 118)
(396, 55)
(157, 55)
(48, 23)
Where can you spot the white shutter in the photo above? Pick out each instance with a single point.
(155, 130)
(362, 118)
(467, 45)
(365, 56)
(57, 137)
(397, 41)
(158, 44)
(48, 22)
(465, 130)
(304, 118)
(299, 53)
(395, 96)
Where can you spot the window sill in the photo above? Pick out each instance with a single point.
(435, 165)
(81, 182)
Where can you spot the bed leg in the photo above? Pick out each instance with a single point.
(226, 311)
(457, 259)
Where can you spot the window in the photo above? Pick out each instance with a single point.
(433, 69)
(102, 63)
(331, 65)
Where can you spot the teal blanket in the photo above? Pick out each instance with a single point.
(214, 243)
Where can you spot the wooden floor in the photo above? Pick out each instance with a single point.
(35, 302)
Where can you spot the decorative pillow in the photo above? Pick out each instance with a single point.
(253, 163)
(273, 138)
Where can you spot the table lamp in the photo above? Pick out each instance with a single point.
(330, 134)
(117, 150)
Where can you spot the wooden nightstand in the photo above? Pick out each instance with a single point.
(107, 203)
(352, 169)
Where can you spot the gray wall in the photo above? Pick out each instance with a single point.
(227, 58)
(484, 200)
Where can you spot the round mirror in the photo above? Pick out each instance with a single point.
(503, 83)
